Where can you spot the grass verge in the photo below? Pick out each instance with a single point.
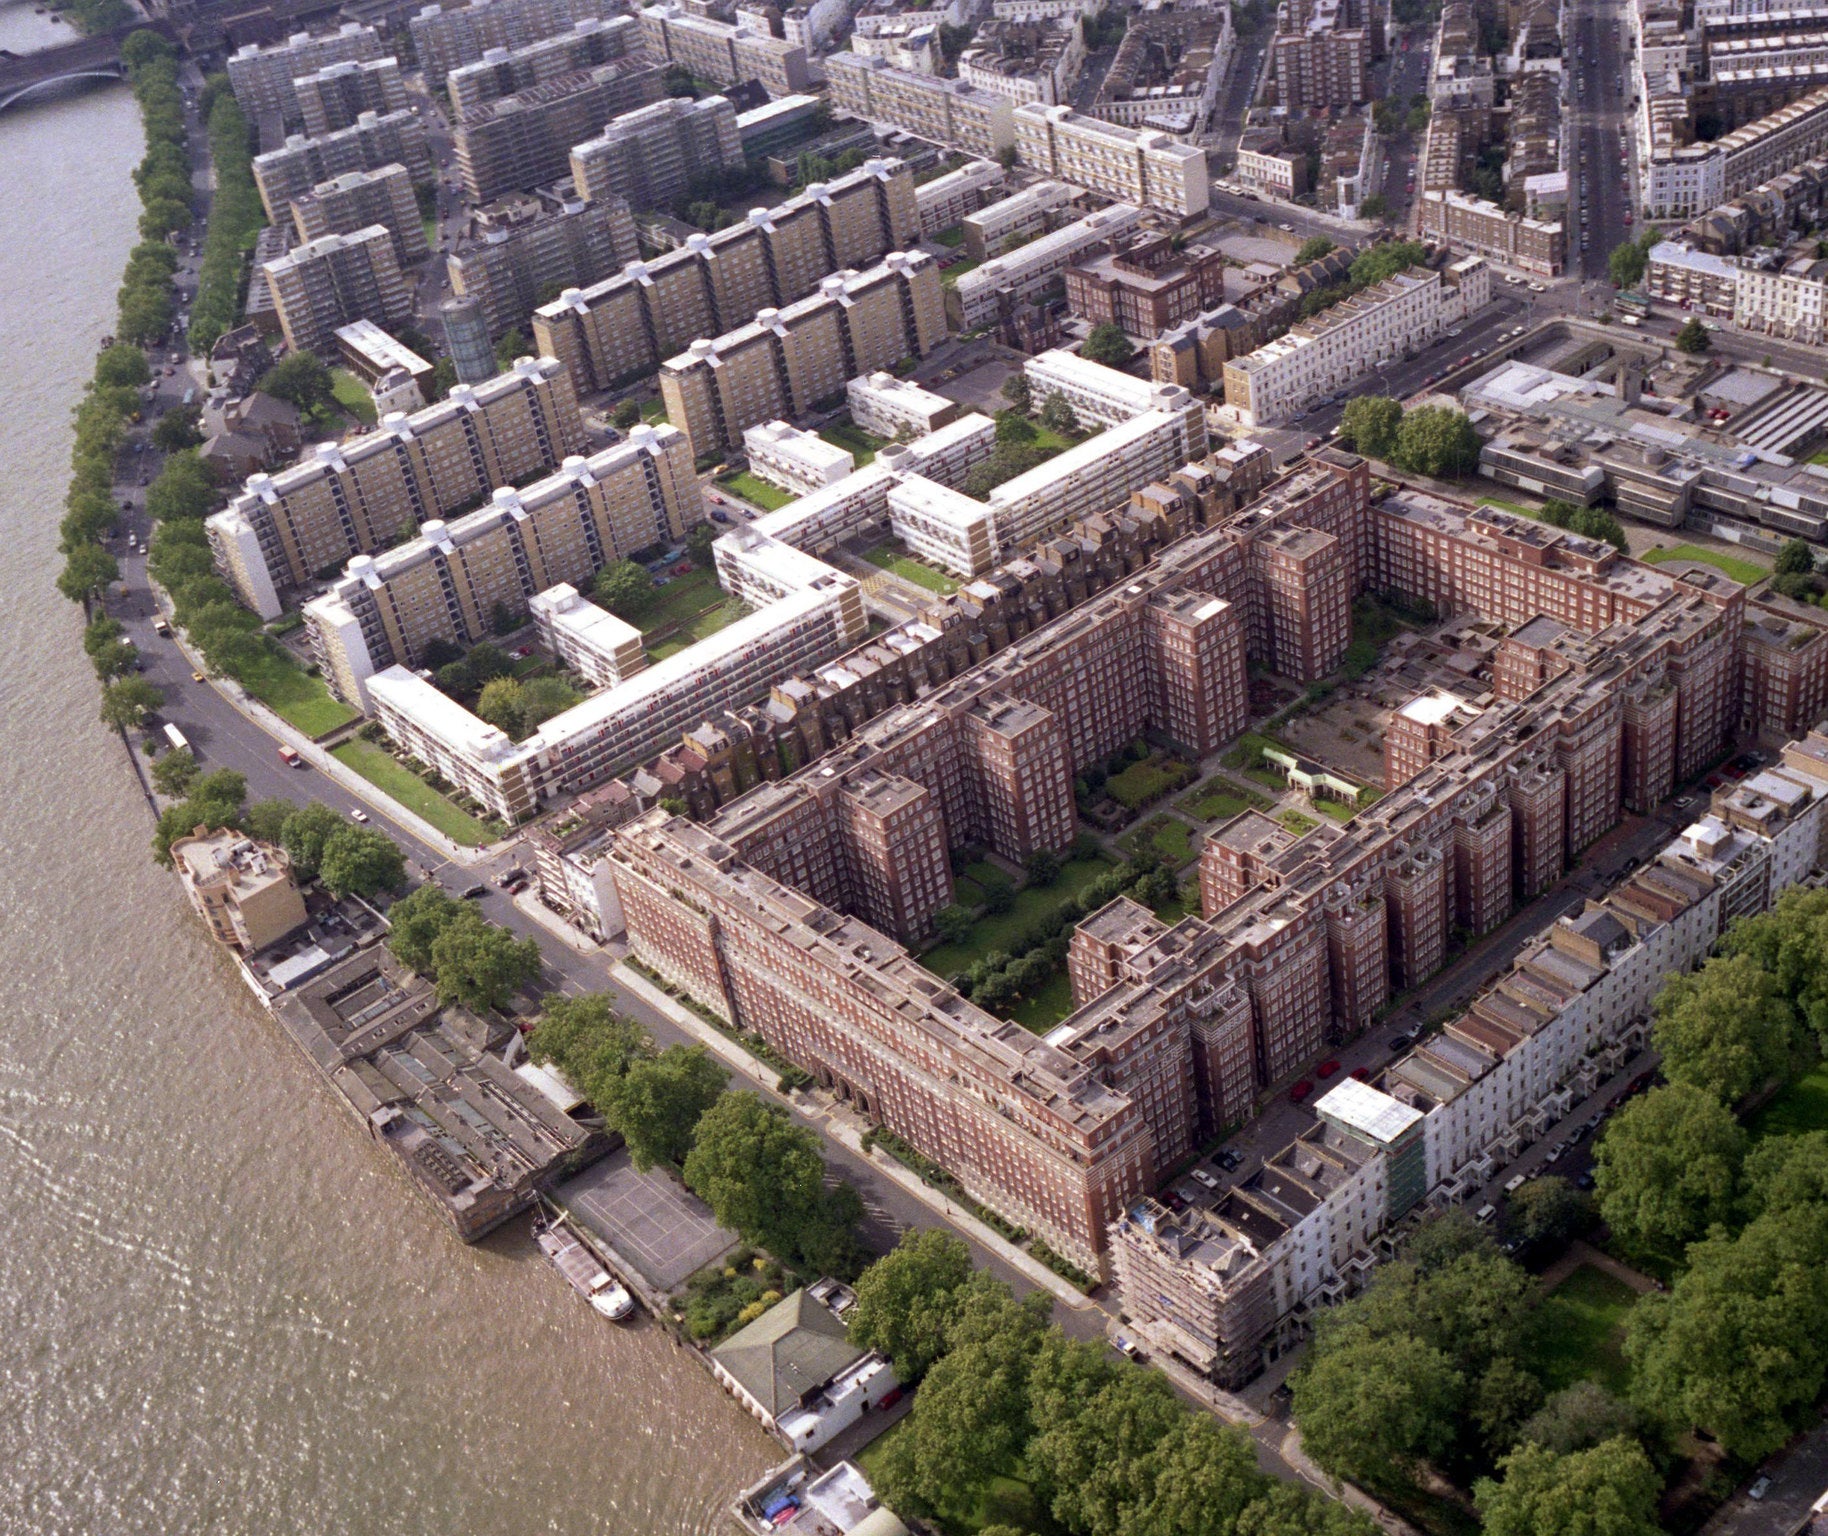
(1801, 1107)
(1032, 903)
(352, 396)
(1168, 836)
(297, 697)
(754, 488)
(411, 791)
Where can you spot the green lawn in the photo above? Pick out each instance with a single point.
(754, 488)
(1739, 570)
(1582, 1323)
(860, 445)
(430, 226)
(682, 599)
(1297, 823)
(953, 237)
(653, 410)
(1047, 1007)
(1511, 506)
(353, 396)
(1801, 1107)
(1337, 809)
(1216, 800)
(1169, 836)
(957, 270)
(706, 624)
(893, 558)
(297, 697)
(411, 791)
(1032, 904)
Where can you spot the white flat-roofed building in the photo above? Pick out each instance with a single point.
(948, 452)
(1133, 165)
(942, 526)
(623, 725)
(794, 459)
(886, 405)
(1091, 476)
(1339, 346)
(1680, 274)
(762, 568)
(592, 641)
(1785, 300)
(977, 296)
(945, 200)
(372, 353)
(1104, 395)
(950, 112)
(996, 226)
(825, 518)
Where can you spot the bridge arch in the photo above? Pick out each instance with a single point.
(99, 72)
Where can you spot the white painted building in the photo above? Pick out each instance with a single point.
(1133, 165)
(794, 459)
(976, 297)
(945, 200)
(887, 406)
(591, 641)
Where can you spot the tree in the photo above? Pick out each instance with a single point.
(214, 801)
(761, 1174)
(512, 346)
(1739, 1345)
(172, 774)
(1502, 1399)
(1312, 249)
(625, 589)
(1289, 1510)
(1795, 558)
(1017, 392)
(416, 921)
(265, 820)
(1014, 429)
(1367, 1406)
(183, 489)
(307, 832)
(970, 1421)
(1725, 1028)
(116, 660)
(1577, 1418)
(1201, 1479)
(1790, 941)
(1610, 1490)
(1369, 425)
(659, 1100)
(302, 381)
(1386, 260)
(627, 413)
(87, 570)
(1781, 1173)
(178, 429)
(1627, 263)
(122, 365)
(126, 704)
(908, 1300)
(1437, 440)
(1057, 413)
(1693, 337)
(362, 862)
(480, 965)
(699, 539)
(543, 697)
(1042, 867)
(1374, 207)
(953, 923)
(1549, 1210)
(1108, 345)
(1666, 1166)
(500, 705)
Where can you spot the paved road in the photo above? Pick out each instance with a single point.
(1600, 188)
(1798, 1478)
(1406, 78)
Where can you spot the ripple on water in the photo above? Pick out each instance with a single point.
(222, 1310)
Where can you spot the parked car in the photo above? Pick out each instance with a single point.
(471, 892)
(1401, 1042)
(1759, 1488)
(1485, 1213)
(1201, 1176)
(508, 876)
(358, 815)
(1300, 1091)
(1327, 1068)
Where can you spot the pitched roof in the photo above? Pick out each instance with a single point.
(793, 1348)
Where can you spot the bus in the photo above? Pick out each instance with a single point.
(1630, 302)
(176, 738)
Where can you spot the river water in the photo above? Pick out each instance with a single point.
(221, 1309)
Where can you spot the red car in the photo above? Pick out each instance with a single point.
(1360, 1074)
(1327, 1068)
(1300, 1091)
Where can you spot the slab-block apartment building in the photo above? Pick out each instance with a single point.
(624, 327)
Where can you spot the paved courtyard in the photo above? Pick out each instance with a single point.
(659, 1226)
